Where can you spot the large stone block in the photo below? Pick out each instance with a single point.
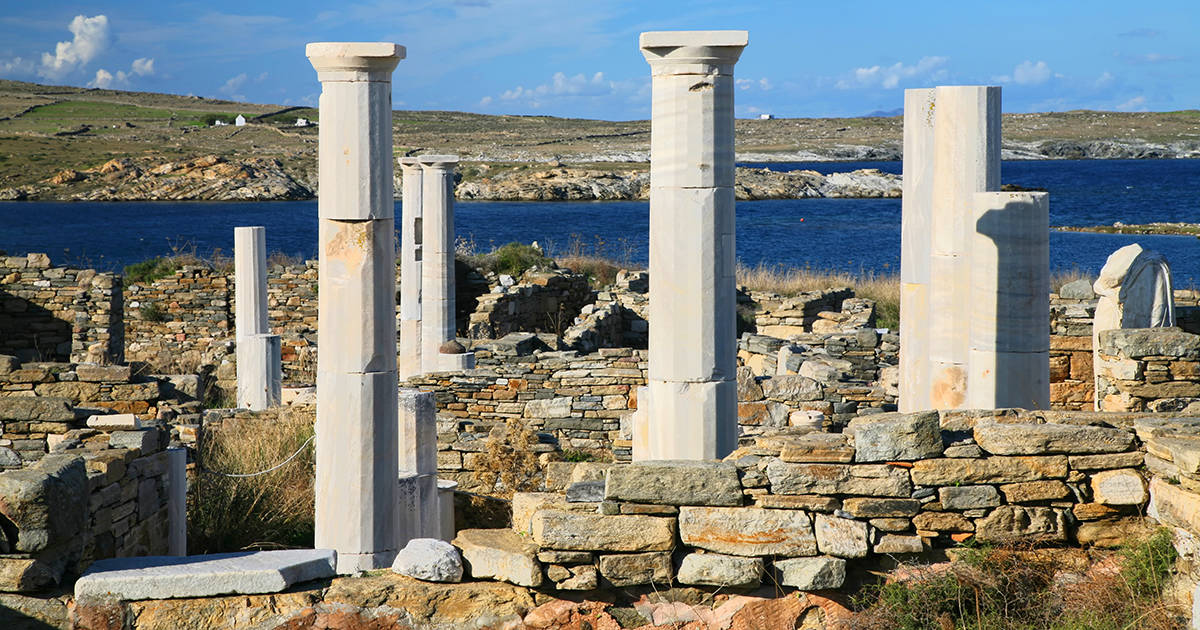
(1174, 505)
(93, 373)
(714, 569)
(968, 497)
(1012, 522)
(841, 537)
(949, 471)
(43, 502)
(500, 554)
(871, 507)
(573, 531)
(812, 574)
(1139, 343)
(896, 436)
(675, 482)
(747, 531)
(633, 569)
(36, 409)
(1000, 438)
(791, 387)
(1119, 487)
(874, 480)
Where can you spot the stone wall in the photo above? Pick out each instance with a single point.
(1071, 382)
(543, 301)
(1149, 369)
(58, 313)
(798, 506)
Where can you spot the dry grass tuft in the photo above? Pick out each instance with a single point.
(271, 510)
(508, 465)
(884, 289)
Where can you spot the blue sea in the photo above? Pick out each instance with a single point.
(842, 234)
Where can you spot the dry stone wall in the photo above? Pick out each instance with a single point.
(1149, 369)
(58, 313)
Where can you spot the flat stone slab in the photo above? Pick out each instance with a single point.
(165, 577)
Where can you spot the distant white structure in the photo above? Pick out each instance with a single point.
(220, 123)
(301, 122)
(240, 121)
(766, 116)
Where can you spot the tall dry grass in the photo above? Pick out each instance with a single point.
(268, 511)
(883, 288)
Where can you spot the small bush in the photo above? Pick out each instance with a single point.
(507, 464)
(572, 455)
(515, 258)
(600, 272)
(272, 510)
(152, 313)
(151, 269)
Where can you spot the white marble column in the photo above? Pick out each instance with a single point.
(966, 160)
(259, 378)
(259, 369)
(437, 268)
(177, 501)
(420, 515)
(692, 381)
(410, 269)
(916, 215)
(356, 428)
(1009, 301)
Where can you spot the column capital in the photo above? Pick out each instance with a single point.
(440, 162)
(409, 163)
(689, 52)
(354, 61)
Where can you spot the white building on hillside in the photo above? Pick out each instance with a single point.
(240, 121)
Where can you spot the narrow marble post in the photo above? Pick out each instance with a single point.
(1010, 301)
(356, 428)
(177, 501)
(259, 371)
(446, 491)
(437, 268)
(692, 380)
(966, 160)
(420, 515)
(410, 270)
(915, 220)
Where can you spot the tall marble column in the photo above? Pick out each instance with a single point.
(966, 160)
(437, 268)
(1009, 301)
(692, 388)
(410, 269)
(356, 428)
(259, 370)
(915, 223)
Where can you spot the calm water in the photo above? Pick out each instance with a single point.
(847, 234)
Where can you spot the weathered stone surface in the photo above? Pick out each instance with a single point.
(812, 574)
(36, 409)
(896, 436)
(429, 559)
(841, 537)
(145, 441)
(1106, 461)
(632, 569)
(968, 497)
(1029, 491)
(500, 554)
(747, 531)
(675, 482)
(942, 522)
(24, 575)
(583, 577)
(811, 502)
(43, 503)
(948, 471)
(1011, 522)
(115, 422)
(714, 569)
(1119, 487)
(891, 524)
(553, 556)
(811, 448)
(161, 577)
(1174, 505)
(893, 543)
(548, 408)
(469, 606)
(526, 504)
(572, 531)
(1114, 532)
(1078, 290)
(870, 507)
(876, 480)
(585, 492)
(1001, 438)
(92, 373)
(791, 387)
(1094, 511)
(1138, 343)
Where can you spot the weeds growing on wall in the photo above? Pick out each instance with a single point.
(1022, 587)
(268, 511)
(508, 464)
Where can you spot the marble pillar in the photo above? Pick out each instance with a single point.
(420, 514)
(914, 249)
(410, 269)
(966, 160)
(437, 268)
(1009, 303)
(692, 383)
(356, 427)
(259, 370)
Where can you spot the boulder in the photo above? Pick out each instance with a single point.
(812, 574)
(747, 531)
(896, 436)
(841, 537)
(429, 559)
(1173, 505)
(500, 554)
(714, 569)
(874, 480)
(675, 482)
(1078, 290)
(1001, 438)
(1013, 522)
(576, 531)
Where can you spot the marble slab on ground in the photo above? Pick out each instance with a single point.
(164, 577)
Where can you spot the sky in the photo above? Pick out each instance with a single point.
(580, 58)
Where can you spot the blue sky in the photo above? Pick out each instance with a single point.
(571, 58)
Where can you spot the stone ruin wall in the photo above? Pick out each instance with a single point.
(58, 313)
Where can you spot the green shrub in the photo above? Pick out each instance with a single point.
(572, 455)
(512, 259)
(151, 269)
(152, 313)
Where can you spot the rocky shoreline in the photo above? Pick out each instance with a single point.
(1167, 228)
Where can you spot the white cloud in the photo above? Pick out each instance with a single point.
(745, 84)
(143, 66)
(1150, 58)
(1030, 73)
(17, 66)
(231, 87)
(106, 80)
(889, 77)
(1135, 104)
(1104, 80)
(91, 38)
(485, 101)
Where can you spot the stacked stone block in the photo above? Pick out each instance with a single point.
(1148, 369)
(543, 301)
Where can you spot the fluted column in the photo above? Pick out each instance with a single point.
(356, 428)
(692, 388)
